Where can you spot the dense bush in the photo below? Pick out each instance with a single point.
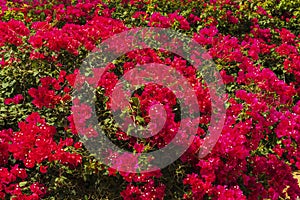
(255, 45)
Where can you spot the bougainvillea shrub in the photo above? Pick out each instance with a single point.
(255, 46)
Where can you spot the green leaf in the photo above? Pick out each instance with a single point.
(139, 119)
(22, 184)
(135, 101)
(5, 84)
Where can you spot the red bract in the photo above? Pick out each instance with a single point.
(38, 189)
(147, 191)
(9, 187)
(206, 35)
(28, 143)
(5, 138)
(43, 97)
(12, 31)
(46, 94)
(20, 173)
(16, 99)
(224, 193)
(72, 36)
(159, 20)
(34, 143)
(286, 36)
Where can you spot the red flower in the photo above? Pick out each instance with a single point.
(43, 169)
(15, 100)
(42, 96)
(19, 172)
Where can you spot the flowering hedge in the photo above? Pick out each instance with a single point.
(255, 46)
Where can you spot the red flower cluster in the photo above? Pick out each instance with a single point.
(45, 95)
(15, 100)
(12, 32)
(150, 190)
(32, 145)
